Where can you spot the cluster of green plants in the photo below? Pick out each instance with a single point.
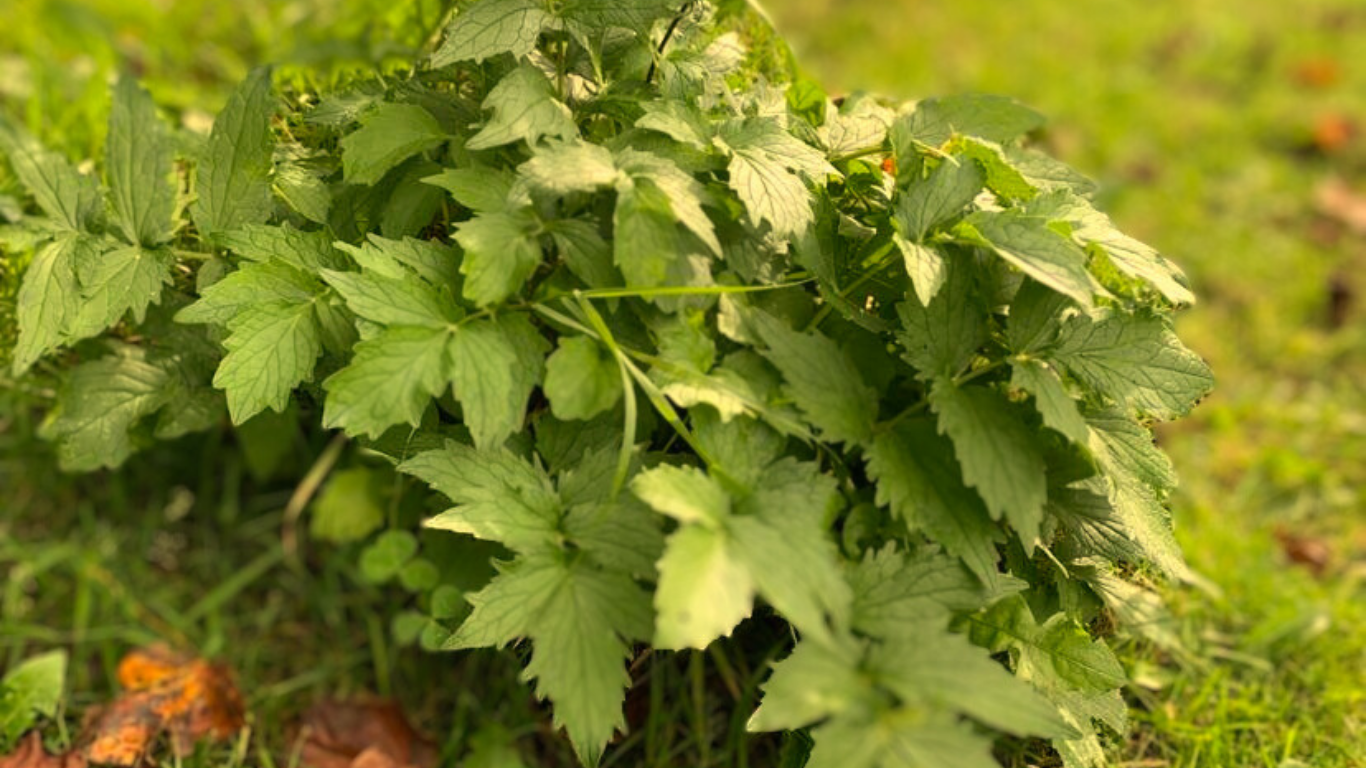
(676, 341)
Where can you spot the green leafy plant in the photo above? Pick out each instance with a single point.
(680, 343)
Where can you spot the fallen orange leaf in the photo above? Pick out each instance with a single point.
(166, 692)
(30, 754)
(362, 734)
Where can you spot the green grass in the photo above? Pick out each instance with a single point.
(1192, 117)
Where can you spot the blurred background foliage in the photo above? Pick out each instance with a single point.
(1231, 134)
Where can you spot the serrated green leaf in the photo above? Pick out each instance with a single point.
(490, 27)
(622, 534)
(348, 508)
(895, 593)
(945, 193)
(479, 188)
(232, 182)
(814, 682)
(1137, 360)
(49, 298)
(138, 157)
(1029, 244)
(272, 349)
(252, 285)
(585, 252)
(946, 670)
(578, 619)
(100, 404)
(394, 301)
(647, 241)
(822, 380)
(768, 168)
(486, 367)
(1035, 317)
(389, 135)
(1139, 477)
(1134, 258)
(995, 118)
(391, 380)
(499, 496)
(781, 533)
(582, 379)
(525, 108)
(308, 252)
(685, 193)
(704, 590)
(941, 338)
(918, 478)
(563, 168)
(924, 265)
(71, 198)
(122, 281)
(686, 494)
(501, 252)
(1058, 409)
(999, 456)
(1058, 652)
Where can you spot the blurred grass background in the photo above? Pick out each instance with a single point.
(1229, 133)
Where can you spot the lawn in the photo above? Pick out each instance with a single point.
(1215, 129)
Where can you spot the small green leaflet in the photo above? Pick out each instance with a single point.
(999, 455)
(768, 170)
(1090, 226)
(1078, 674)
(391, 379)
(499, 496)
(349, 508)
(389, 135)
(579, 619)
(928, 203)
(896, 592)
(138, 157)
(1058, 409)
(490, 27)
(997, 119)
(102, 403)
(822, 380)
(31, 689)
(232, 182)
(479, 188)
(947, 670)
(582, 379)
(49, 297)
(919, 480)
(272, 348)
(72, 199)
(124, 280)
(501, 252)
(493, 364)
(525, 108)
(1139, 477)
(1028, 243)
(769, 542)
(931, 672)
(1137, 360)
(941, 337)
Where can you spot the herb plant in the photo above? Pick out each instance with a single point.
(685, 342)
